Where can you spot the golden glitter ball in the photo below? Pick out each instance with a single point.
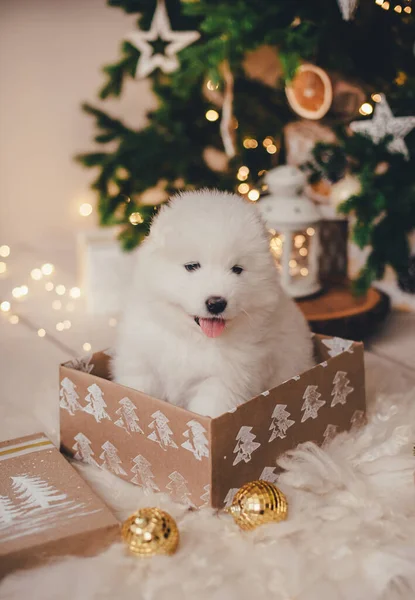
(257, 503)
(150, 531)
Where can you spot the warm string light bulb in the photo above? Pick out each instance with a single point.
(385, 6)
(20, 292)
(212, 115)
(47, 269)
(41, 333)
(13, 319)
(243, 188)
(3, 267)
(5, 306)
(36, 274)
(366, 109)
(86, 346)
(271, 149)
(60, 326)
(85, 209)
(253, 195)
(60, 290)
(250, 143)
(4, 251)
(75, 292)
(212, 86)
(49, 286)
(135, 218)
(376, 97)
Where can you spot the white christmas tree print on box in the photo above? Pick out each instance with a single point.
(329, 433)
(229, 497)
(143, 474)
(162, 432)
(35, 492)
(312, 403)
(280, 422)
(269, 474)
(69, 396)
(111, 461)
(178, 489)
(8, 511)
(83, 450)
(96, 404)
(197, 442)
(341, 388)
(206, 496)
(128, 420)
(245, 445)
(337, 345)
(81, 364)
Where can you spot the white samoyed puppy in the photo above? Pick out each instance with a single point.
(207, 325)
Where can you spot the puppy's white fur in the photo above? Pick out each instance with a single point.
(163, 352)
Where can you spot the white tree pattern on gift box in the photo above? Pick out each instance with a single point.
(96, 404)
(8, 511)
(128, 420)
(143, 474)
(111, 461)
(35, 492)
(337, 345)
(83, 450)
(245, 445)
(81, 364)
(341, 388)
(358, 419)
(178, 489)
(197, 442)
(312, 403)
(162, 432)
(206, 496)
(329, 433)
(69, 396)
(269, 474)
(229, 497)
(280, 422)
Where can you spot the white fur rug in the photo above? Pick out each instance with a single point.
(350, 532)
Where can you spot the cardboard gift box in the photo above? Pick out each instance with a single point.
(46, 508)
(198, 460)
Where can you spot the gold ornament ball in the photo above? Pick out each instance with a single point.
(257, 503)
(150, 531)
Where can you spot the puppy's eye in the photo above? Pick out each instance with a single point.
(194, 266)
(237, 269)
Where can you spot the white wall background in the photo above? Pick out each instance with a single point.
(51, 54)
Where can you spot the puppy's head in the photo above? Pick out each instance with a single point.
(208, 256)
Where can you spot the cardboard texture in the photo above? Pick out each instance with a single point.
(46, 509)
(201, 461)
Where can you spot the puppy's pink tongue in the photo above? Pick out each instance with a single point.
(212, 327)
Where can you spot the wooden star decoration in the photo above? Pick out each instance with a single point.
(160, 29)
(384, 123)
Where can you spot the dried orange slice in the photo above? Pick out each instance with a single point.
(310, 92)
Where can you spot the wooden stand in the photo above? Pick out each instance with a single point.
(338, 312)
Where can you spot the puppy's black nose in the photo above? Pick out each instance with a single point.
(216, 305)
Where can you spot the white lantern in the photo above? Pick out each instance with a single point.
(293, 221)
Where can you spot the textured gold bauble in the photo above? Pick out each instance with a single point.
(257, 503)
(150, 531)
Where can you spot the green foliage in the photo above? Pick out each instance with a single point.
(383, 211)
(169, 153)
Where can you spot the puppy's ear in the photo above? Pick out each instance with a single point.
(160, 230)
